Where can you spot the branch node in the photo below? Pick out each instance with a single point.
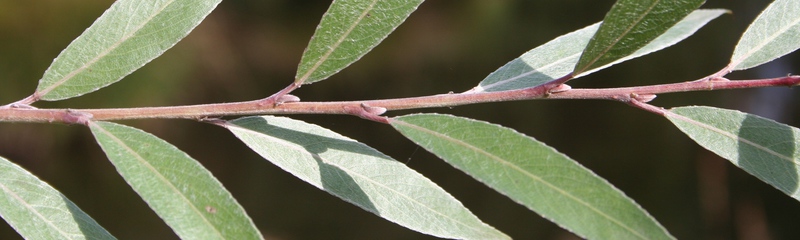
(713, 80)
(213, 120)
(373, 110)
(21, 106)
(717, 75)
(368, 112)
(25, 103)
(559, 88)
(76, 117)
(288, 98)
(642, 97)
(281, 96)
(795, 79)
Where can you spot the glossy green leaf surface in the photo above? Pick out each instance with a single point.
(533, 174)
(348, 30)
(180, 190)
(774, 33)
(630, 25)
(128, 35)
(360, 175)
(557, 58)
(764, 148)
(38, 211)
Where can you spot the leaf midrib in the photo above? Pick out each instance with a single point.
(525, 74)
(531, 175)
(764, 43)
(303, 150)
(621, 36)
(104, 53)
(731, 136)
(161, 177)
(32, 209)
(333, 47)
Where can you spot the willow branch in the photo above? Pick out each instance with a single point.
(370, 109)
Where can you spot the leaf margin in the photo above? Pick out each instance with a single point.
(519, 199)
(224, 205)
(760, 22)
(734, 156)
(567, 60)
(45, 88)
(308, 74)
(77, 218)
(234, 125)
(617, 17)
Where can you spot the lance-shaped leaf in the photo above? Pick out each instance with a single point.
(348, 30)
(128, 35)
(762, 147)
(38, 211)
(360, 175)
(180, 190)
(533, 174)
(540, 65)
(630, 25)
(557, 58)
(773, 34)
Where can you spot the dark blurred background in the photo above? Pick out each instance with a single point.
(248, 49)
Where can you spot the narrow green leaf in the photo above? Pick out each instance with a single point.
(180, 190)
(533, 174)
(360, 175)
(540, 65)
(773, 34)
(630, 25)
(762, 147)
(128, 35)
(678, 32)
(348, 30)
(38, 211)
(556, 58)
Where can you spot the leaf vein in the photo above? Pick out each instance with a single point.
(104, 53)
(352, 173)
(517, 168)
(333, 47)
(32, 209)
(733, 137)
(158, 174)
(621, 36)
